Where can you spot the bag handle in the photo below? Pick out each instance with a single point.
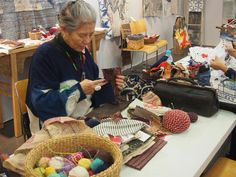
(176, 79)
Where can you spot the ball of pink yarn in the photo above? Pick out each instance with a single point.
(176, 121)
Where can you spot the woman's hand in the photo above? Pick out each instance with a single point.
(120, 81)
(231, 52)
(88, 86)
(217, 64)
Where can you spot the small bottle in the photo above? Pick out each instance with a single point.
(170, 58)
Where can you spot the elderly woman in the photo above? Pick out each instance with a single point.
(63, 78)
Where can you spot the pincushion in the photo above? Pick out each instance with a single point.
(176, 121)
(193, 116)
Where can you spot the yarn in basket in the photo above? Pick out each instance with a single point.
(176, 121)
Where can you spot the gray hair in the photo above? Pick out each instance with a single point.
(76, 13)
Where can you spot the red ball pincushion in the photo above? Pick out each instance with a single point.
(176, 121)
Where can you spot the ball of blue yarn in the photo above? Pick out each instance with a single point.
(91, 122)
(96, 165)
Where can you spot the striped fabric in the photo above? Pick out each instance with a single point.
(140, 161)
(122, 127)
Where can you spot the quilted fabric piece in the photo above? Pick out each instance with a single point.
(122, 127)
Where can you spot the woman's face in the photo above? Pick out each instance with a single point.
(79, 38)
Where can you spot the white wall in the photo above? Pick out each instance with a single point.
(213, 18)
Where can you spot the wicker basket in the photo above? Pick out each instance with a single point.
(135, 42)
(35, 35)
(72, 144)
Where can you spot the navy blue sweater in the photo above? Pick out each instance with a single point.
(230, 73)
(54, 83)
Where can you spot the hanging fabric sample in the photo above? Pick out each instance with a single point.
(14, 16)
(29, 5)
(113, 13)
(167, 8)
(152, 8)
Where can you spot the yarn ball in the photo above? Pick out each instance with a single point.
(62, 174)
(91, 122)
(49, 170)
(40, 171)
(84, 162)
(96, 165)
(43, 162)
(68, 165)
(78, 172)
(176, 121)
(57, 162)
(90, 172)
(101, 168)
(193, 116)
(54, 175)
(105, 156)
(75, 157)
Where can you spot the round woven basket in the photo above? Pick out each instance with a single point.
(71, 144)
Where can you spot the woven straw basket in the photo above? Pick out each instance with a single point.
(135, 42)
(71, 144)
(35, 35)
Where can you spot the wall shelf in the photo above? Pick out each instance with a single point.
(194, 14)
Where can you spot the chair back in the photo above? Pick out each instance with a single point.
(21, 88)
(125, 30)
(138, 26)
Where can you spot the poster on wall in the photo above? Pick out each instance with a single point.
(113, 14)
(152, 8)
(31, 5)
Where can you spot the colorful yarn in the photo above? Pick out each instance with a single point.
(68, 165)
(96, 165)
(62, 174)
(78, 172)
(54, 175)
(43, 162)
(75, 157)
(193, 116)
(84, 162)
(57, 162)
(49, 170)
(176, 121)
(105, 156)
(40, 171)
(90, 172)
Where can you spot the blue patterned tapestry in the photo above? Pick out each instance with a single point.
(18, 17)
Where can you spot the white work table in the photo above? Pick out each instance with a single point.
(187, 154)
